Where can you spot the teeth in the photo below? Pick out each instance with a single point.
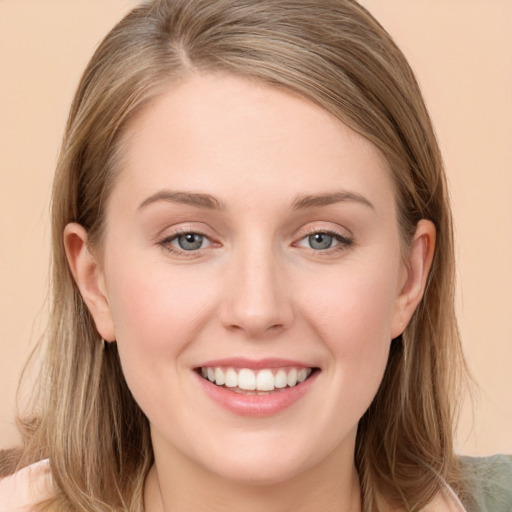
(249, 380)
(246, 379)
(265, 381)
(219, 377)
(291, 379)
(281, 379)
(302, 375)
(231, 378)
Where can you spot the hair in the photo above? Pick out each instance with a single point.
(334, 53)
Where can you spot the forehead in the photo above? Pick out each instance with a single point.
(238, 138)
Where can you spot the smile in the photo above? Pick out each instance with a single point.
(247, 381)
(256, 388)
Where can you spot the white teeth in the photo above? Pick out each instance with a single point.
(302, 375)
(246, 379)
(249, 380)
(281, 379)
(231, 378)
(292, 377)
(265, 381)
(219, 377)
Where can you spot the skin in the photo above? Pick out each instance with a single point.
(256, 288)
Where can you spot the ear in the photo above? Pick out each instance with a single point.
(415, 274)
(89, 278)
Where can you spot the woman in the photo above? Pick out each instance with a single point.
(252, 275)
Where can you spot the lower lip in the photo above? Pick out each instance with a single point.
(257, 406)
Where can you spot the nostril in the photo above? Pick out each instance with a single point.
(255, 301)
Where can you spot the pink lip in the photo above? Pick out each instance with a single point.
(241, 362)
(256, 406)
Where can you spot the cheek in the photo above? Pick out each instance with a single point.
(157, 311)
(155, 303)
(354, 309)
(352, 316)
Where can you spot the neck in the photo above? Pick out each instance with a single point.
(175, 485)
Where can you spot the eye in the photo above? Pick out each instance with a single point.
(185, 242)
(320, 241)
(325, 240)
(190, 241)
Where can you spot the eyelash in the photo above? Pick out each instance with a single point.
(344, 242)
(166, 243)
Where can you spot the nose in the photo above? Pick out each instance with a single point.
(257, 295)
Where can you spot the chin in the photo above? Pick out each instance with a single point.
(260, 465)
(263, 473)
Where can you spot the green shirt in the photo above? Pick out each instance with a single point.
(490, 483)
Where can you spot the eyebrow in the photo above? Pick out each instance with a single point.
(190, 198)
(301, 202)
(304, 202)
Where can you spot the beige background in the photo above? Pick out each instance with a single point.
(462, 53)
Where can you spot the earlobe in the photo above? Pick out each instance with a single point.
(88, 276)
(421, 254)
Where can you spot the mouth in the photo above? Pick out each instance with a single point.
(262, 381)
(256, 388)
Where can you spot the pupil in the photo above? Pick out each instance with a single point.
(190, 241)
(320, 241)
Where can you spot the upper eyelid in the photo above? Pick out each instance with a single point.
(322, 230)
(342, 233)
(167, 244)
(177, 233)
(342, 239)
(172, 237)
(172, 232)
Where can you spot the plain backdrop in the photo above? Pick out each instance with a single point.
(461, 51)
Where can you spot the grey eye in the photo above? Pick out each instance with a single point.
(190, 241)
(320, 241)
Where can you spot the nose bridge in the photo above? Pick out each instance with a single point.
(257, 300)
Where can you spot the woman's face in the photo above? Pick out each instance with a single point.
(253, 238)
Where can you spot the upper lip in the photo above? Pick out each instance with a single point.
(254, 364)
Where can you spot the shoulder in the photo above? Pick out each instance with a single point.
(21, 491)
(490, 483)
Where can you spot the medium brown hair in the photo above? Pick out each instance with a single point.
(334, 53)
